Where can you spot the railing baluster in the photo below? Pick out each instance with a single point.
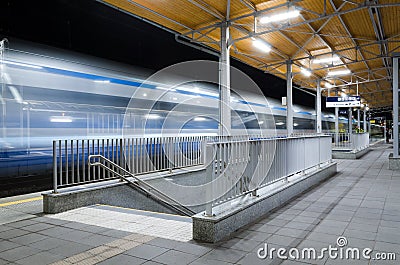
(72, 162)
(77, 162)
(83, 161)
(55, 167)
(60, 166)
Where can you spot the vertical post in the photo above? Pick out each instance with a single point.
(319, 118)
(224, 86)
(209, 178)
(396, 107)
(384, 132)
(350, 124)
(350, 120)
(336, 126)
(365, 119)
(55, 167)
(369, 124)
(289, 98)
(358, 119)
(336, 122)
(3, 90)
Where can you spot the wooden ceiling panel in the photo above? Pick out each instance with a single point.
(319, 30)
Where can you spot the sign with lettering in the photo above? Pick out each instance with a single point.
(348, 101)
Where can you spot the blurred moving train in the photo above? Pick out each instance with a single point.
(50, 94)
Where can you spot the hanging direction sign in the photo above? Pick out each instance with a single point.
(348, 101)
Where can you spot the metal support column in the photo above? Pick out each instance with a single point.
(369, 124)
(396, 106)
(319, 118)
(336, 122)
(224, 86)
(336, 125)
(289, 98)
(350, 121)
(365, 119)
(358, 119)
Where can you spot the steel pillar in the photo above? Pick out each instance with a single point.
(358, 119)
(289, 98)
(319, 118)
(336, 125)
(225, 84)
(350, 120)
(396, 107)
(369, 125)
(365, 119)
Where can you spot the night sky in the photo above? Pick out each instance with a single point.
(93, 28)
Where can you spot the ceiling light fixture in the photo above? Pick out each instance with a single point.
(329, 60)
(328, 85)
(339, 72)
(305, 72)
(280, 17)
(261, 45)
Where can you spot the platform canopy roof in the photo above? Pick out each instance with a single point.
(355, 37)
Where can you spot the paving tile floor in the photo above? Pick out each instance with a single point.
(360, 205)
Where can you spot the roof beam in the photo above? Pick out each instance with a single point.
(349, 33)
(207, 8)
(361, 6)
(379, 32)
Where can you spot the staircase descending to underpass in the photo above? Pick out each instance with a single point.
(134, 182)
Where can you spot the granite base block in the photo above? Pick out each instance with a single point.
(216, 228)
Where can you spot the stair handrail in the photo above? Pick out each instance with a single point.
(147, 188)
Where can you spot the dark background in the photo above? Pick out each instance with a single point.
(93, 28)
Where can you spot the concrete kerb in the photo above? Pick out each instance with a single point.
(247, 210)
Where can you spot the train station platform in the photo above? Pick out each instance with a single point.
(357, 208)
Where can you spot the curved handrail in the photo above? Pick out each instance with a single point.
(147, 188)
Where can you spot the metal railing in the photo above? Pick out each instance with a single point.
(241, 167)
(341, 140)
(360, 141)
(99, 161)
(350, 141)
(137, 155)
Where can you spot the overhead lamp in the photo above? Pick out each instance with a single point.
(328, 85)
(339, 72)
(330, 59)
(199, 119)
(280, 17)
(261, 45)
(22, 64)
(305, 72)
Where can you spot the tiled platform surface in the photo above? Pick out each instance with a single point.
(362, 203)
